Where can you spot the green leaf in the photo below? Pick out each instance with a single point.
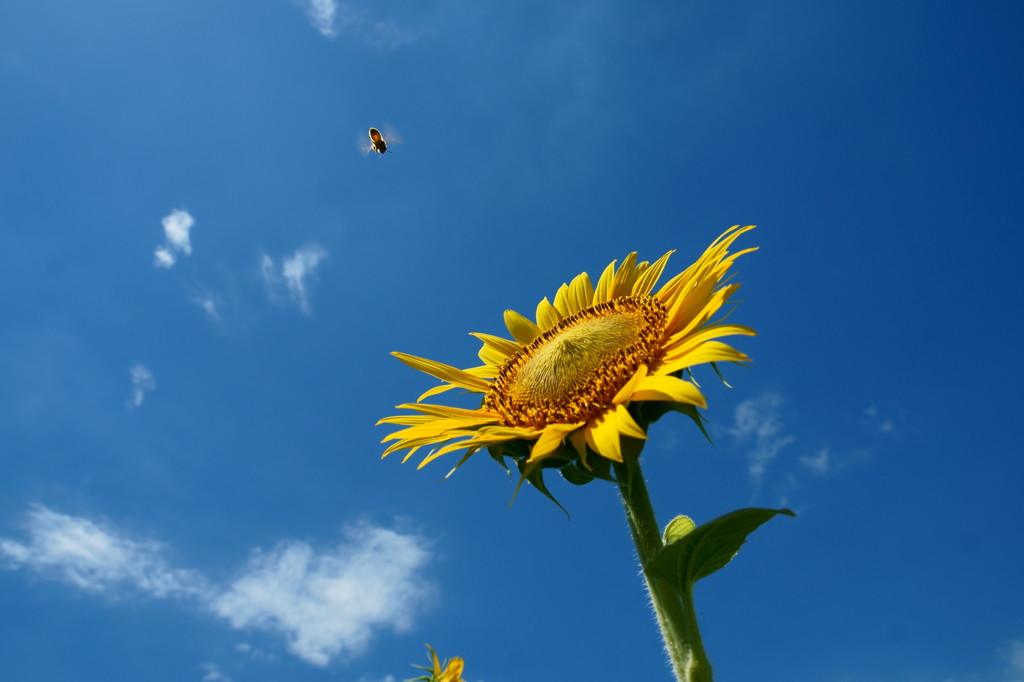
(677, 528)
(575, 475)
(699, 552)
(599, 467)
(714, 366)
(534, 475)
(498, 455)
(650, 411)
(691, 412)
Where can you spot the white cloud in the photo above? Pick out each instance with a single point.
(176, 239)
(322, 14)
(95, 558)
(252, 652)
(142, 382)
(819, 464)
(176, 228)
(295, 276)
(757, 422)
(300, 266)
(163, 258)
(874, 419)
(831, 462)
(212, 673)
(1014, 655)
(325, 604)
(209, 305)
(268, 271)
(328, 604)
(1010, 666)
(332, 18)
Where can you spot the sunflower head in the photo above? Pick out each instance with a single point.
(577, 386)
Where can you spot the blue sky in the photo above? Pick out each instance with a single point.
(201, 279)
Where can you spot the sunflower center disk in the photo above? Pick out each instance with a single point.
(571, 372)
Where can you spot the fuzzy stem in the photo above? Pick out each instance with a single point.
(675, 612)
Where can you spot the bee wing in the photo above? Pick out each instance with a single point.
(391, 136)
(362, 145)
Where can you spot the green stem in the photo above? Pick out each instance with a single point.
(675, 612)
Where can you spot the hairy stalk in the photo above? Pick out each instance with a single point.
(674, 611)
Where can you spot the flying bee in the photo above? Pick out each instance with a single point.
(379, 142)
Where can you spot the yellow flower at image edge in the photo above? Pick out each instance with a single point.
(452, 670)
(566, 382)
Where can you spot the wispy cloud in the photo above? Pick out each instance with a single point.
(142, 383)
(1010, 666)
(208, 302)
(332, 18)
(297, 268)
(883, 423)
(212, 673)
(294, 279)
(1011, 654)
(757, 424)
(176, 239)
(95, 558)
(163, 257)
(326, 604)
(829, 461)
(252, 652)
(323, 15)
(819, 463)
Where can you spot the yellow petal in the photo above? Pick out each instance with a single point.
(547, 315)
(437, 663)
(453, 672)
(408, 455)
(444, 372)
(491, 356)
(683, 340)
(550, 440)
(408, 419)
(479, 439)
(504, 347)
(581, 292)
(434, 454)
(628, 425)
(709, 351)
(522, 329)
(562, 300)
(603, 436)
(671, 389)
(626, 392)
(622, 284)
(578, 438)
(697, 306)
(448, 411)
(435, 432)
(414, 443)
(604, 283)
(650, 277)
(484, 372)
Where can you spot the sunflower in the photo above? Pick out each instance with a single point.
(595, 368)
(452, 669)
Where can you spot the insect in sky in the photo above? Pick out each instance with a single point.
(379, 141)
